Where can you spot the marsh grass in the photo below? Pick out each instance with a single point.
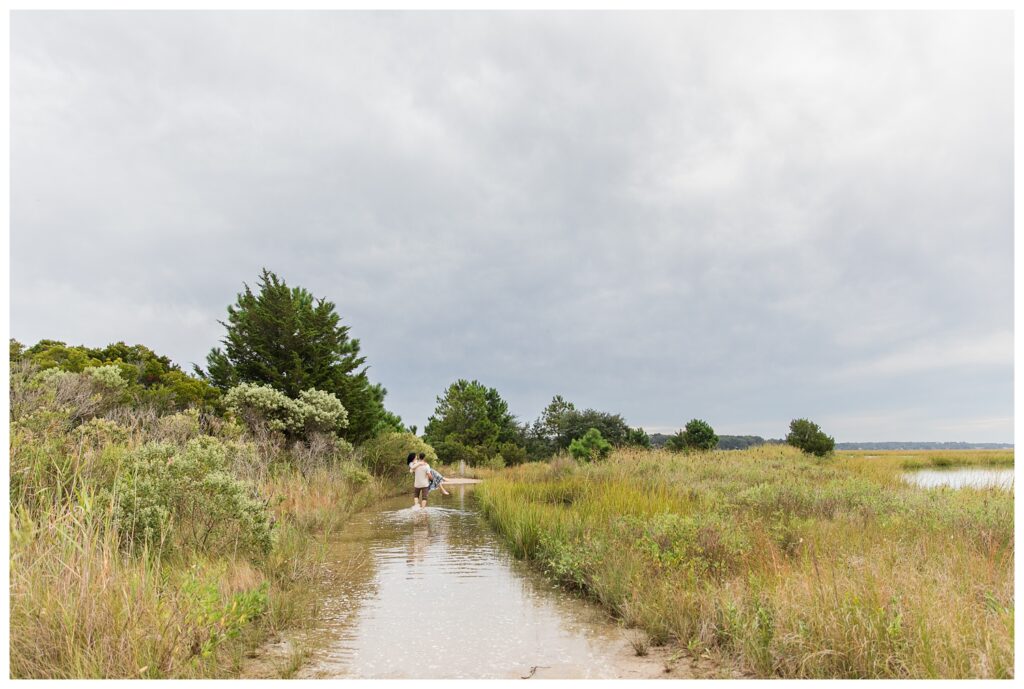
(788, 565)
(892, 461)
(640, 643)
(82, 605)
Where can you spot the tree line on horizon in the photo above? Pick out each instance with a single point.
(287, 364)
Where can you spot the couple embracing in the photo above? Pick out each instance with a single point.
(425, 480)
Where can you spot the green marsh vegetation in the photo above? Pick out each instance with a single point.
(162, 523)
(160, 545)
(784, 563)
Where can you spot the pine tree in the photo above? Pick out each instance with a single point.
(285, 337)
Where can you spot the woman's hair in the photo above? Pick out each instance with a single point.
(412, 456)
(423, 455)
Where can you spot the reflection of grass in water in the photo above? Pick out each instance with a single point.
(790, 565)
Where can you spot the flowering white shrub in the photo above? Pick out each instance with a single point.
(321, 411)
(108, 377)
(262, 405)
(188, 499)
(80, 395)
(316, 411)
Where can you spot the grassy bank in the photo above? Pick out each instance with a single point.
(162, 546)
(893, 461)
(786, 565)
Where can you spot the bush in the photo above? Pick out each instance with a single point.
(512, 453)
(807, 436)
(355, 474)
(494, 463)
(590, 446)
(179, 428)
(150, 379)
(385, 455)
(697, 435)
(262, 407)
(454, 452)
(319, 450)
(321, 412)
(107, 378)
(81, 396)
(188, 500)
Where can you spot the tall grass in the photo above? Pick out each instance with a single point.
(86, 605)
(894, 460)
(786, 565)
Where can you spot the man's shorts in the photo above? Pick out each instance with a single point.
(420, 493)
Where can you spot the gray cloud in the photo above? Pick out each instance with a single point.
(741, 216)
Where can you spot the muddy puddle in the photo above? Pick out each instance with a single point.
(434, 594)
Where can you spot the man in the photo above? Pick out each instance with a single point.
(421, 482)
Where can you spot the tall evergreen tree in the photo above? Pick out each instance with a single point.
(285, 337)
(473, 423)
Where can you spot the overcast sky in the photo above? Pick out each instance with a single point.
(741, 217)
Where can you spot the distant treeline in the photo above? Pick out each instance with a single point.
(921, 446)
(742, 442)
(725, 442)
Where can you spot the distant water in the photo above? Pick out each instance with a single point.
(963, 477)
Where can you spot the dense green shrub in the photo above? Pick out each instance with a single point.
(187, 499)
(355, 474)
(697, 435)
(590, 447)
(151, 379)
(677, 442)
(385, 455)
(494, 463)
(638, 437)
(807, 436)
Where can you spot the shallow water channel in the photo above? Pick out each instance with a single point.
(434, 594)
(963, 477)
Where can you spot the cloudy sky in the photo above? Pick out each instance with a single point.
(741, 217)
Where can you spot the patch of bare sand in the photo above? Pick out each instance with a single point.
(283, 657)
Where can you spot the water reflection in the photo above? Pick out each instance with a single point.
(972, 477)
(432, 594)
